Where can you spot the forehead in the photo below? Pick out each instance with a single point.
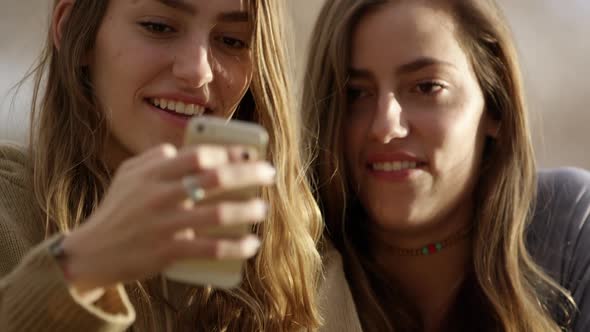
(194, 7)
(404, 30)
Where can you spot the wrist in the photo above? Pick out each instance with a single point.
(61, 255)
(65, 254)
(57, 250)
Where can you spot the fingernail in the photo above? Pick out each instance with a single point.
(270, 171)
(263, 206)
(257, 243)
(253, 245)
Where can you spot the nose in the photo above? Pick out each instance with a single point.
(193, 64)
(389, 122)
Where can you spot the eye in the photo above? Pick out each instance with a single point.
(233, 43)
(430, 88)
(157, 28)
(355, 93)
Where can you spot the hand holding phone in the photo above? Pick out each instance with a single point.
(218, 131)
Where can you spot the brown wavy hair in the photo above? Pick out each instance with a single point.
(506, 291)
(68, 135)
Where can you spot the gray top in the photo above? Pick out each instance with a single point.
(559, 236)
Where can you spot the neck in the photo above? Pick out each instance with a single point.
(430, 282)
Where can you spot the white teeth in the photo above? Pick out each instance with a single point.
(178, 106)
(394, 166)
(190, 109)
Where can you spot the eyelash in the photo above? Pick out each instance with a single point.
(157, 27)
(161, 29)
(353, 93)
(231, 42)
(430, 84)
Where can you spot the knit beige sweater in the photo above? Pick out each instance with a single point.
(34, 295)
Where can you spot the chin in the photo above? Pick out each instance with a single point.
(390, 224)
(397, 219)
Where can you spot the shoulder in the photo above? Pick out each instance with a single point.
(559, 233)
(20, 224)
(333, 270)
(562, 208)
(335, 298)
(563, 199)
(14, 165)
(568, 181)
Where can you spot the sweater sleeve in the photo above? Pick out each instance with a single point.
(561, 234)
(34, 295)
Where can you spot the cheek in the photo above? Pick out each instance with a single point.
(232, 76)
(107, 70)
(455, 121)
(121, 69)
(456, 142)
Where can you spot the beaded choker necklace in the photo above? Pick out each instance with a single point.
(432, 248)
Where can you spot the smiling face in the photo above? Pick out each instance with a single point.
(415, 124)
(157, 62)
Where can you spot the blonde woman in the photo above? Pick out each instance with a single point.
(94, 202)
(426, 176)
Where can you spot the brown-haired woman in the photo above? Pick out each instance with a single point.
(115, 87)
(426, 176)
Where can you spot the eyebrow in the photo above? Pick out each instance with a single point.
(408, 68)
(180, 4)
(183, 5)
(421, 63)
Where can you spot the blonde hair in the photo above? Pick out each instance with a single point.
(68, 134)
(514, 294)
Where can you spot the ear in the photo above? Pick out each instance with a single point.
(61, 14)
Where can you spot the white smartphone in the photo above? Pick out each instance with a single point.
(218, 131)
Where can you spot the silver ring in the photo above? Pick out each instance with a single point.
(193, 189)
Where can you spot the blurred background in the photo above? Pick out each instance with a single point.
(551, 37)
